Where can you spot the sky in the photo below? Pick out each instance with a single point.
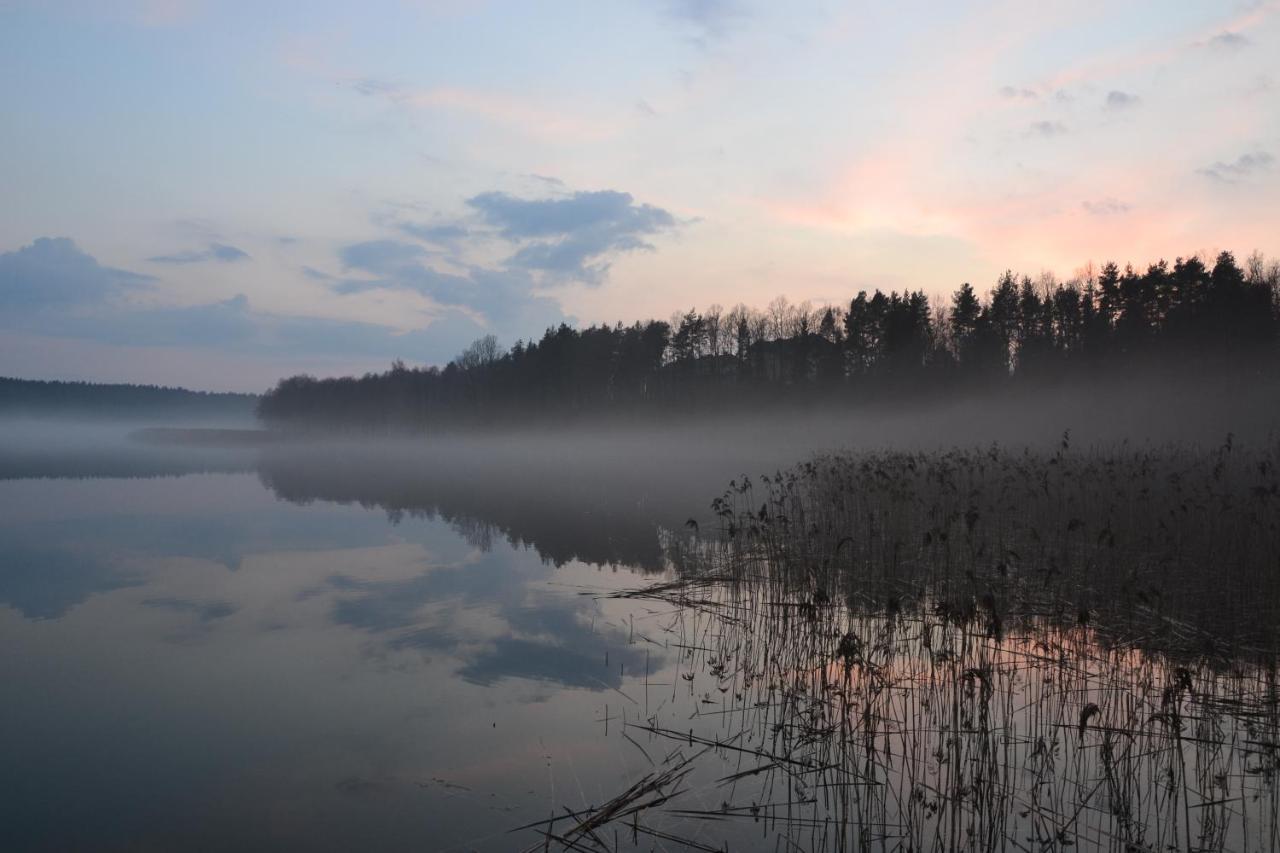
(219, 194)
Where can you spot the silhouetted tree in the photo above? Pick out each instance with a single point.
(893, 343)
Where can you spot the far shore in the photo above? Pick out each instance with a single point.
(205, 437)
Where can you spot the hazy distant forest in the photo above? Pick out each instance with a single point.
(37, 398)
(1023, 333)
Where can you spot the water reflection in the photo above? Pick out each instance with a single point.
(196, 661)
(566, 510)
(374, 649)
(828, 727)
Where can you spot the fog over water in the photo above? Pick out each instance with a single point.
(334, 642)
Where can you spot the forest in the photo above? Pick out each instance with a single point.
(42, 399)
(1100, 324)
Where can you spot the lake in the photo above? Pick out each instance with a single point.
(194, 662)
(313, 648)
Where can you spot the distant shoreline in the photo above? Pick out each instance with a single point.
(204, 437)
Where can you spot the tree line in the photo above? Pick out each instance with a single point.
(1022, 331)
(40, 398)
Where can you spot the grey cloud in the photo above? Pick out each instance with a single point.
(567, 237)
(50, 288)
(214, 324)
(1012, 92)
(219, 252)
(380, 257)
(542, 643)
(317, 275)
(234, 323)
(222, 252)
(440, 235)
(210, 325)
(520, 218)
(549, 660)
(374, 86)
(572, 237)
(189, 256)
(43, 582)
(53, 289)
(1047, 128)
(573, 257)
(1243, 167)
(1105, 207)
(435, 344)
(205, 611)
(1117, 100)
(506, 298)
(54, 272)
(510, 302)
(1229, 41)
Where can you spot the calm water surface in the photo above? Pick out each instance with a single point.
(193, 662)
(374, 650)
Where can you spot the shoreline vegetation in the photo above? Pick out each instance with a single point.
(33, 398)
(967, 650)
(1167, 326)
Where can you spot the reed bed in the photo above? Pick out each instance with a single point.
(1175, 547)
(982, 650)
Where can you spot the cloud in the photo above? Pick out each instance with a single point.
(380, 257)
(234, 324)
(1245, 166)
(229, 322)
(1014, 93)
(317, 275)
(1105, 207)
(43, 581)
(371, 86)
(1117, 100)
(438, 342)
(541, 643)
(572, 237)
(1227, 40)
(440, 235)
(52, 289)
(54, 272)
(220, 252)
(565, 238)
(1047, 129)
(518, 218)
(505, 298)
(712, 19)
(205, 611)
